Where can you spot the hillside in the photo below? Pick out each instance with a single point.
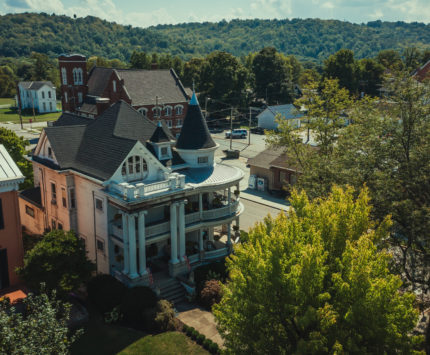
(310, 39)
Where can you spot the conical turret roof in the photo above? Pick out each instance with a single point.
(159, 135)
(194, 133)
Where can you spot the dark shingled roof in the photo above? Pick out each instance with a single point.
(159, 135)
(69, 119)
(144, 85)
(271, 158)
(100, 146)
(194, 132)
(33, 196)
(35, 85)
(98, 80)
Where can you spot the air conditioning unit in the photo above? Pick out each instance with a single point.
(261, 184)
(252, 182)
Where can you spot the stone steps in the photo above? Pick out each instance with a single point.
(171, 290)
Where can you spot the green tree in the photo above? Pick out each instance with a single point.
(42, 329)
(412, 58)
(390, 59)
(315, 282)
(16, 148)
(273, 77)
(343, 66)
(371, 76)
(192, 72)
(59, 260)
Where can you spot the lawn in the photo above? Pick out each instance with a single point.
(8, 115)
(170, 343)
(7, 101)
(104, 339)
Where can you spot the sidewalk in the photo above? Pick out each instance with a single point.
(203, 321)
(264, 198)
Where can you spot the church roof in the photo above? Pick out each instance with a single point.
(194, 132)
(97, 147)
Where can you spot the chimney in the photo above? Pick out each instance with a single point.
(102, 104)
(154, 66)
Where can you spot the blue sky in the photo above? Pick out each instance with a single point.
(144, 13)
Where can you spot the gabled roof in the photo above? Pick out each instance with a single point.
(194, 132)
(144, 86)
(159, 134)
(69, 119)
(288, 111)
(35, 85)
(98, 147)
(8, 168)
(271, 158)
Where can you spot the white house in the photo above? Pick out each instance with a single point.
(267, 118)
(145, 204)
(37, 94)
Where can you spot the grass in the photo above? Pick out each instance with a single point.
(9, 115)
(169, 343)
(100, 338)
(7, 101)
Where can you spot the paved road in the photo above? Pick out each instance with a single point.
(254, 212)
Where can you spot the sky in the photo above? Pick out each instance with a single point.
(144, 13)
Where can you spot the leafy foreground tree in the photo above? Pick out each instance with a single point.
(59, 260)
(41, 330)
(315, 283)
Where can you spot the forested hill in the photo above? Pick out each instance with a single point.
(311, 39)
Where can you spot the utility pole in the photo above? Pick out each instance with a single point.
(231, 128)
(249, 133)
(32, 102)
(19, 105)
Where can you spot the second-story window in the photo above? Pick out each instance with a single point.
(49, 94)
(63, 197)
(164, 151)
(168, 111)
(178, 110)
(143, 111)
(202, 160)
(64, 76)
(43, 94)
(53, 193)
(114, 85)
(157, 111)
(72, 197)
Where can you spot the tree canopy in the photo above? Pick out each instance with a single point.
(59, 260)
(315, 282)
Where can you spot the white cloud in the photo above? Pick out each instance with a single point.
(272, 8)
(328, 5)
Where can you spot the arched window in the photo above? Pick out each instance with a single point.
(64, 76)
(77, 76)
(179, 110)
(143, 111)
(135, 168)
(168, 111)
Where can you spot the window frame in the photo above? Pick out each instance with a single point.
(179, 108)
(29, 211)
(53, 193)
(98, 203)
(204, 159)
(101, 242)
(72, 198)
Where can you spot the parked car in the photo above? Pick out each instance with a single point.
(257, 130)
(237, 133)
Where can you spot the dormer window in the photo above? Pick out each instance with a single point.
(135, 168)
(179, 110)
(164, 151)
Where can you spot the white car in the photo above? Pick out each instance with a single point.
(237, 133)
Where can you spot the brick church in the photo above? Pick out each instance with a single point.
(157, 94)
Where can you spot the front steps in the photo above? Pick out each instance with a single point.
(171, 290)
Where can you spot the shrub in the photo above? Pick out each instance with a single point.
(211, 293)
(214, 348)
(207, 343)
(137, 304)
(105, 292)
(200, 339)
(165, 317)
(201, 273)
(194, 334)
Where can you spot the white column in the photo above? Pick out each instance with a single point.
(201, 205)
(229, 199)
(229, 234)
(142, 243)
(211, 234)
(173, 235)
(201, 246)
(132, 245)
(125, 242)
(181, 223)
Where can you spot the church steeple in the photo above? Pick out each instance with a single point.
(194, 133)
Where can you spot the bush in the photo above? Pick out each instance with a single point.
(194, 334)
(138, 304)
(207, 343)
(211, 293)
(200, 339)
(105, 292)
(214, 348)
(165, 317)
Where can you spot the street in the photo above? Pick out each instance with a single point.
(254, 212)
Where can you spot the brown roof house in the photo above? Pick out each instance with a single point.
(270, 170)
(422, 72)
(156, 94)
(11, 249)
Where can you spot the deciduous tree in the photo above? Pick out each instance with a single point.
(315, 282)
